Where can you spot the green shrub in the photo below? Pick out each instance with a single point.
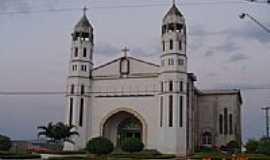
(132, 145)
(252, 145)
(264, 146)
(99, 146)
(5, 143)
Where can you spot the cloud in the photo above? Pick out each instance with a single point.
(237, 57)
(107, 49)
(18, 5)
(209, 53)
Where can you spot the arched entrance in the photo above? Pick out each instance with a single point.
(121, 125)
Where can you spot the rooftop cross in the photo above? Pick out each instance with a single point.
(173, 2)
(84, 10)
(125, 51)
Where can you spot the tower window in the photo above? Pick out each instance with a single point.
(180, 45)
(170, 111)
(171, 44)
(74, 67)
(181, 111)
(181, 86)
(171, 86)
(171, 61)
(163, 45)
(180, 62)
(161, 111)
(231, 124)
(76, 52)
(84, 68)
(84, 52)
(72, 88)
(82, 89)
(225, 121)
(161, 86)
(81, 113)
(221, 124)
(70, 111)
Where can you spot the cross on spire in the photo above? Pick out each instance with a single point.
(125, 51)
(84, 10)
(173, 2)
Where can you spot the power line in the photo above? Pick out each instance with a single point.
(18, 93)
(117, 7)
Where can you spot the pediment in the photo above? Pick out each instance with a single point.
(126, 66)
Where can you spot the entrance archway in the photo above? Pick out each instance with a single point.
(122, 124)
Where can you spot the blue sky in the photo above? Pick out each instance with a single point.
(223, 51)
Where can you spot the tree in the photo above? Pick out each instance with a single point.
(99, 146)
(58, 133)
(132, 145)
(252, 145)
(5, 143)
(264, 146)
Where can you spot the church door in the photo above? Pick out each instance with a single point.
(129, 128)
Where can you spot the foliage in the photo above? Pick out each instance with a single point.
(12, 155)
(264, 146)
(99, 146)
(5, 143)
(206, 149)
(252, 145)
(58, 133)
(132, 145)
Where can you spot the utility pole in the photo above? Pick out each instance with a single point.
(243, 15)
(266, 109)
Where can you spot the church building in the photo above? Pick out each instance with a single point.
(156, 103)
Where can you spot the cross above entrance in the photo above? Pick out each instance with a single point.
(125, 51)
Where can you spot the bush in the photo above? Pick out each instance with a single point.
(232, 147)
(264, 146)
(99, 146)
(5, 143)
(132, 145)
(252, 145)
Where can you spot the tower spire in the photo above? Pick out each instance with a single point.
(84, 10)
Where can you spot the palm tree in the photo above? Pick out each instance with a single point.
(58, 133)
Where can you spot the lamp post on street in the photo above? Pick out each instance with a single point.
(243, 15)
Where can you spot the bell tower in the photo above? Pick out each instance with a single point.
(79, 80)
(173, 82)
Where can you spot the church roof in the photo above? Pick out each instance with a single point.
(221, 92)
(173, 11)
(83, 23)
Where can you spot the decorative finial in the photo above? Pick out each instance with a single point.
(125, 51)
(173, 2)
(84, 10)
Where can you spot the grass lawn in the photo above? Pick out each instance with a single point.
(219, 156)
(13, 155)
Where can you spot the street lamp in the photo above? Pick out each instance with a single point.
(243, 15)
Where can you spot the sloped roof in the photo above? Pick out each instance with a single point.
(174, 11)
(83, 23)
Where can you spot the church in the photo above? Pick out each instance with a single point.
(156, 103)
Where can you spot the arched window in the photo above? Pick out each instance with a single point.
(170, 111)
(181, 111)
(82, 89)
(163, 45)
(207, 138)
(84, 52)
(231, 124)
(171, 44)
(76, 50)
(170, 86)
(161, 111)
(225, 121)
(161, 86)
(72, 88)
(81, 112)
(70, 111)
(220, 123)
(181, 86)
(180, 45)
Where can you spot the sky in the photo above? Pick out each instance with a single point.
(223, 51)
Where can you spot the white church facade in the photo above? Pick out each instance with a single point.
(157, 103)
